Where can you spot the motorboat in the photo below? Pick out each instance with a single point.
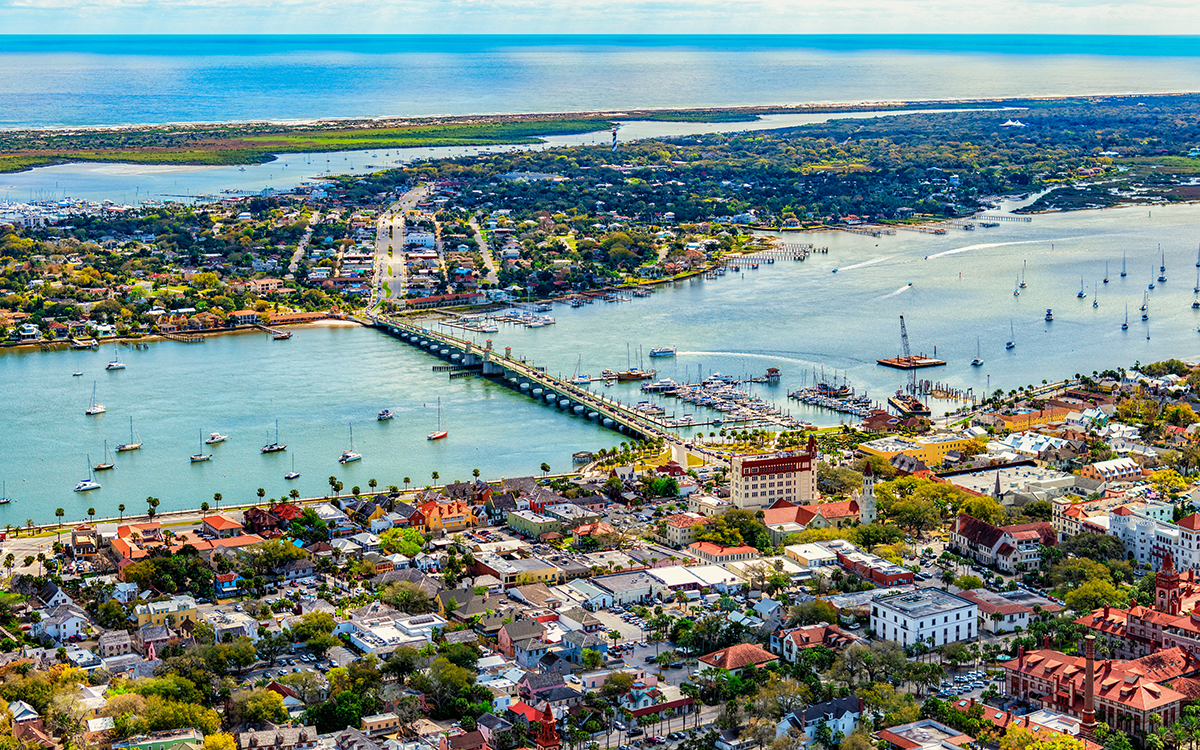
(215, 437)
(385, 415)
(1049, 315)
(663, 351)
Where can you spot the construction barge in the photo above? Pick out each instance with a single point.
(911, 362)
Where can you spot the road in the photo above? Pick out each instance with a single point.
(486, 251)
(303, 245)
(390, 274)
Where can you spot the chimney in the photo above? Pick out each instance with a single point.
(1020, 656)
(1046, 642)
(1088, 725)
(1105, 611)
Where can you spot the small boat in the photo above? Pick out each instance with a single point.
(106, 464)
(1049, 315)
(1012, 336)
(1145, 301)
(1095, 297)
(1151, 278)
(281, 335)
(610, 382)
(276, 446)
(581, 379)
(201, 456)
(1082, 294)
(1122, 264)
(663, 351)
(4, 498)
(96, 407)
(1023, 264)
(90, 483)
(1105, 272)
(349, 456)
(439, 433)
(1198, 258)
(215, 437)
(293, 474)
(1196, 288)
(1125, 325)
(385, 415)
(978, 356)
(132, 445)
(76, 374)
(1146, 310)
(115, 364)
(1016, 291)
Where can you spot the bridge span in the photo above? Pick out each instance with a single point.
(465, 356)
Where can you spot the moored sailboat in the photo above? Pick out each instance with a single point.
(439, 433)
(106, 464)
(349, 456)
(133, 443)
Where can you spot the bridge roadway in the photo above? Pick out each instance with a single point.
(524, 378)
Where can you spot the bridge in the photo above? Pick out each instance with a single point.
(465, 356)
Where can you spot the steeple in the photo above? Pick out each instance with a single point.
(1167, 591)
(547, 734)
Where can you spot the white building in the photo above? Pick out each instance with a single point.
(383, 635)
(1148, 539)
(424, 239)
(758, 481)
(930, 616)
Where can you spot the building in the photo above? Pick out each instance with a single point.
(736, 658)
(1117, 470)
(114, 643)
(519, 571)
(532, 525)
(838, 717)
(1007, 611)
(447, 517)
(173, 612)
(1120, 694)
(1141, 631)
(930, 616)
(790, 642)
(1008, 548)
(680, 530)
(168, 739)
(716, 554)
(931, 450)
(811, 555)
(1148, 540)
(871, 567)
(220, 526)
(282, 738)
(759, 480)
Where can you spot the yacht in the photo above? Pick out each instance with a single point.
(349, 456)
(385, 415)
(215, 437)
(96, 407)
(133, 444)
(276, 446)
(663, 351)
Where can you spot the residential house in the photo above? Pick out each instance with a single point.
(736, 658)
(821, 723)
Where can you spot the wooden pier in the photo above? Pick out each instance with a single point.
(912, 362)
(183, 338)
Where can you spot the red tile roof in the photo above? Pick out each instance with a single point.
(221, 523)
(736, 657)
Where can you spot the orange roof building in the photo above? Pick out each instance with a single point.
(716, 554)
(736, 658)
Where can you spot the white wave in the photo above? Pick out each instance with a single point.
(986, 245)
(864, 263)
(750, 355)
(901, 290)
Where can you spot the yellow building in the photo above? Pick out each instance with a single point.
(171, 612)
(931, 450)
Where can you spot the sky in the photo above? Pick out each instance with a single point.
(1171, 17)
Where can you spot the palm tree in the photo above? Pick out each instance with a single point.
(475, 473)
(121, 510)
(91, 514)
(435, 476)
(152, 505)
(545, 468)
(294, 494)
(372, 484)
(333, 483)
(217, 501)
(59, 513)
(203, 507)
(407, 482)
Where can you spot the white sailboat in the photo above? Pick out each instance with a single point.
(1162, 269)
(1082, 294)
(115, 363)
(1012, 336)
(349, 456)
(96, 407)
(1125, 325)
(1095, 297)
(1151, 278)
(978, 356)
(4, 498)
(293, 474)
(1122, 264)
(89, 483)
(439, 433)
(276, 446)
(201, 456)
(1023, 264)
(133, 443)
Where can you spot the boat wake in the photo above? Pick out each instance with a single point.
(901, 290)
(864, 263)
(985, 245)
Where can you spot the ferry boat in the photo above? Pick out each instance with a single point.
(215, 437)
(385, 415)
(276, 446)
(908, 405)
(663, 351)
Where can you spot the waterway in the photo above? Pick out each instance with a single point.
(793, 315)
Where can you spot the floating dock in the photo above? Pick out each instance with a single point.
(913, 362)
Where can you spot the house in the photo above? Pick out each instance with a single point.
(716, 554)
(294, 570)
(291, 701)
(927, 615)
(1009, 548)
(226, 585)
(789, 643)
(220, 526)
(575, 642)
(823, 722)
(279, 738)
(736, 658)
(114, 643)
(61, 623)
(680, 530)
(447, 517)
(1117, 470)
(52, 596)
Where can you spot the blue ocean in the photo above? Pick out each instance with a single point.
(82, 81)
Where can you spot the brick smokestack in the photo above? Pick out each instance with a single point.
(1088, 725)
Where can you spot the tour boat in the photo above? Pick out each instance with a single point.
(978, 356)
(104, 465)
(215, 437)
(132, 445)
(276, 446)
(385, 415)
(663, 351)
(349, 456)
(96, 407)
(439, 433)
(88, 483)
